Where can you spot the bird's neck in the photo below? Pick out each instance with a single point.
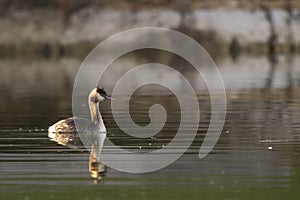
(95, 113)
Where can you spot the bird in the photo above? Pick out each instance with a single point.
(94, 124)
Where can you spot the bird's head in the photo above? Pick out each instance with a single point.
(98, 94)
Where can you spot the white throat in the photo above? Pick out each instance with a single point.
(96, 117)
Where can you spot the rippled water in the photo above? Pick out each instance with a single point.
(257, 156)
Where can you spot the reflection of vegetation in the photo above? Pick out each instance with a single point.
(272, 42)
(235, 48)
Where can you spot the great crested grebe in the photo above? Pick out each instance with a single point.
(95, 124)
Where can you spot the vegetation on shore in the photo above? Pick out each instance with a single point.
(66, 9)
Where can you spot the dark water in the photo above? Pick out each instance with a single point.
(257, 156)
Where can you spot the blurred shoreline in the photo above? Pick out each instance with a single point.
(73, 28)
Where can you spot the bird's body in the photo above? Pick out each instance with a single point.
(75, 124)
(67, 125)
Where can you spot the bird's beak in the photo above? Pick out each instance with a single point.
(108, 97)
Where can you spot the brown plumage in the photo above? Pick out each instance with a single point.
(83, 125)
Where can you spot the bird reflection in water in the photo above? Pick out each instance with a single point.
(65, 132)
(72, 140)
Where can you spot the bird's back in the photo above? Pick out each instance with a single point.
(68, 125)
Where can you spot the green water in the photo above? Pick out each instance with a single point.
(257, 156)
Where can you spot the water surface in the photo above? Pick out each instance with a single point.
(257, 156)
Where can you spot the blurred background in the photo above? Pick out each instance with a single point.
(247, 39)
(256, 46)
